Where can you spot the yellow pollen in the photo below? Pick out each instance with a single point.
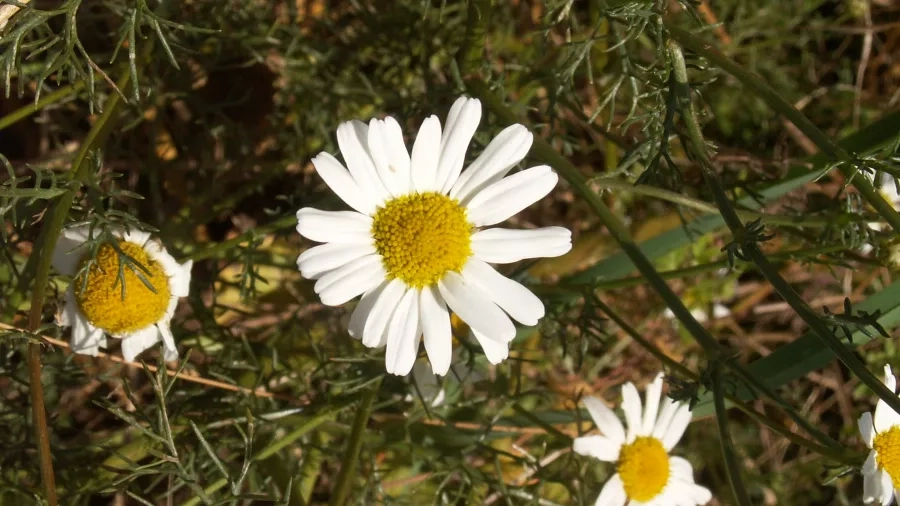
(887, 452)
(644, 468)
(102, 301)
(421, 237)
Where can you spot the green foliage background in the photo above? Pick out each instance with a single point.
(197, 119)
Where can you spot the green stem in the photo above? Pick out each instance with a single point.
(751, 249)
(344, 484)
(23, 112)
(728, 453)
(835, 454)
(757, 85)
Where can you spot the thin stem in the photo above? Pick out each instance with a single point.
(40, 265)
(755, 84)
(728, 453)
(751, 249)
(26, 111)
(835, 454)
(344, 484)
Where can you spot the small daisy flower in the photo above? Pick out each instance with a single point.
(881, 471)
(96, 305)
(415, 245)
(645, 472)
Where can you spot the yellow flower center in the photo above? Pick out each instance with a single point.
(107, 306)
(644, 468)
(887, 456)
(421, 236)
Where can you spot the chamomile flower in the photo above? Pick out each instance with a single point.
(96, 305)
(645, 472)
(415, 245)
(881, 471)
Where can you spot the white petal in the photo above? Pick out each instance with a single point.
(180, 283)
(510, 195)
(139, 341)
(398, 155)
(395, 181)
(599, 447)
(318, 260)
(363, 310)
(666, 413)
(86, 339)
(403, 336)
(67, 253)
(887, 489)
(334, 226)
(503, 245)
(349, 280)
(631, 405)
(495, 351)
(870, 466)
(474, 307)
(512, 297)
(343, 184)
(866, 428)
(425, 153)
(890, 381)
(681, 468)
(613, 493)
(651, 404)
(168, 339)
(462, 121)
(605, 419)
(135, 236)
(871, 487)
(502, 154)
(885, 417)
(676, 429)
(376, 324)
(436, 329)
(353, 139)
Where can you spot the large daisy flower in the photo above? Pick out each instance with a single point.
(105, 300)
(415, 245)
(881, 471)
(646, 475)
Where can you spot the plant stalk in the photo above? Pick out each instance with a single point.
(347, 475)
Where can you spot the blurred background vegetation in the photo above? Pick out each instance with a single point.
(198, 118)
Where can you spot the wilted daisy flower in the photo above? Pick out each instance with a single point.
(881, 471)
(645, 472)
(415, 246)
(97, 306)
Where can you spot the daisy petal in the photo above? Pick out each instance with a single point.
(885, 417)
(871, 487)
(342, 183)
(599, 447)
(180, 282)
(474, 307)
(133, 345)
(502, 154)
(605, 419)
(680, 467)
(667, 411)
(320, 259)
(86, 339)
(67, 253)
(510, 195)
(398, 155)
(866, 428)
(403, 336)
(676, 429)
(512, 297)
(503, 245)
(870, 466)
(380, 315)
(495, 351)
(168, 339)
(613, 493)
(631, 405)
(887, 489)
(425, 156)
(353, 139)
(436, 330)
(363, 310)
(135, 236)
(462, 121)
(395, 181)
(350, 280)
(334, 226)
(651, 405)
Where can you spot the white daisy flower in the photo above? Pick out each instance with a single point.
(96, 305)
(645, 472)
(881, 471)
(415, 246)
